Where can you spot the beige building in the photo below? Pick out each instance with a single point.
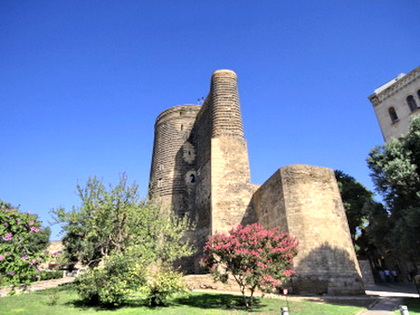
(396, 103)
(200, 169)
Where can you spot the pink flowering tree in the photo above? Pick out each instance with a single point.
(19, 259)
(254, 256)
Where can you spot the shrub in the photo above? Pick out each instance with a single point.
(19, 259)
(162, 283)
(102, 286)
(89, 285)
(256, 258)
(110, 286)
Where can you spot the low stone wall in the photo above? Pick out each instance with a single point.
(206, 282)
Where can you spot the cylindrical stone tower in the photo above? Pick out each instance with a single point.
(230, 176)
(225, 100)
(173, 157)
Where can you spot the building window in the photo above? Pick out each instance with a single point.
(411, 102)
(393, 114)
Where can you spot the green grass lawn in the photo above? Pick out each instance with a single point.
(64, 301)
(413, 305)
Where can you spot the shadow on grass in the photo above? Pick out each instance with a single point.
(78, 303)
(203, 301)
(218, 301)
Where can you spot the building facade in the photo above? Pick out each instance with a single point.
(200, 168)
(396, 103)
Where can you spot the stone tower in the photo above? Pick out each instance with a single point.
(173, 163)
(200, 168)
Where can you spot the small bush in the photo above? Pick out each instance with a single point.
(110, 286)
(88, 286)
(98, 287)
(162, 283)
(53, 298)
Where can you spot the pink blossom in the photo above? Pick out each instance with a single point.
(31, 222)
(269, 279)
(253, 254)
(34, 229)
(8, 237)
(288, 272)
(24, 257)
(260, 264)
(1, 257)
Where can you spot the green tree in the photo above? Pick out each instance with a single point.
(254, 256)
(395, 171)
(114, 226)
(40, 241)
(357, 201)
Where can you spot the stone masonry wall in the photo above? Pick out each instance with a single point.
(268, 205)
(200, 138)
(200, 168)
(305, 201)
(231, 190)
(173, 157)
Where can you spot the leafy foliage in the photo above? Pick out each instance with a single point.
(256, 258)
(110, 286)
(114, 219)
(40, 241)
(357, 201)
(120, 237)
(395, 169)
(162, 282)
(20, 248)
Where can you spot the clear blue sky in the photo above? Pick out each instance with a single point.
(81, 83)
